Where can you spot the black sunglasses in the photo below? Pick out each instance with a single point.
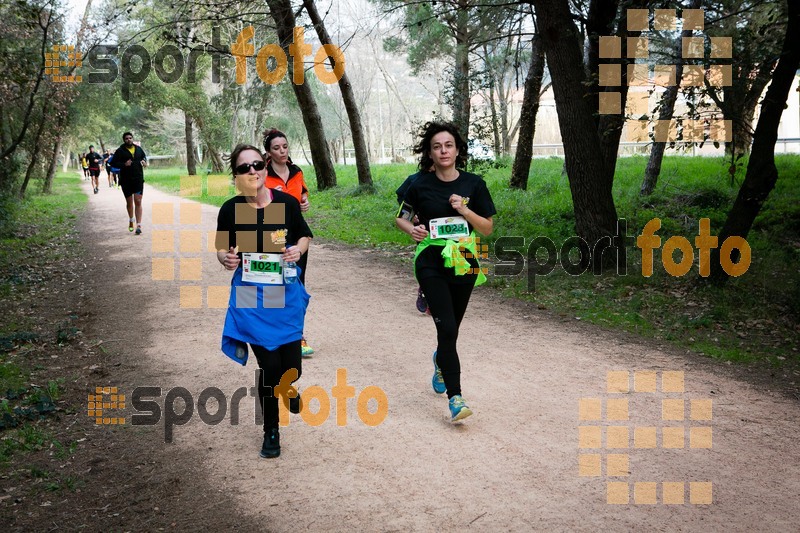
(244, 168)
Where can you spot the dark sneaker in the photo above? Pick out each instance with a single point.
(422, 304)
(138, 230)
(272, 444)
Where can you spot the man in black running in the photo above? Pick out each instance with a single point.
(130, 159)
(94, 159)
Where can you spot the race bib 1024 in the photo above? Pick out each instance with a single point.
(449, 228)
(262, 268)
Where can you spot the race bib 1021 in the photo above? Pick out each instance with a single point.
(262, 268)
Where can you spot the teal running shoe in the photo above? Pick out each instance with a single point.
(459, 410)
(437, 380)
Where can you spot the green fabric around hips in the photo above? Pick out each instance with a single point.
(452, 256)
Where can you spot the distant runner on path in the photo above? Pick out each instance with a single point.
(130, 159)
(94, 159)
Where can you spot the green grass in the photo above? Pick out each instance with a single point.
(725, 323)
(42, 231)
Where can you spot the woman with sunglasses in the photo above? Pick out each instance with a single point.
(258, 231)
(283, 175)
(451, 205)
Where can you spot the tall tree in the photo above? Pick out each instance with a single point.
(668, 100)
(756, 30)
(353, 114)
(590, 174)
(762, 173)
(527, 119)
(282, 13)
(453, 29)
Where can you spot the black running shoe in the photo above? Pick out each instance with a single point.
(422, 304)
(272, 444)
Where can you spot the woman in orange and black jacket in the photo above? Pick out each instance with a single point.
(285, 176)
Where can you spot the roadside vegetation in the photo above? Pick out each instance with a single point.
(38, 339)
(753, 318)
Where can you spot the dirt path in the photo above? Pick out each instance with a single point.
(514, 465)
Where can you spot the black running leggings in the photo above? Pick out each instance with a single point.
(447, 303)
(273, 364)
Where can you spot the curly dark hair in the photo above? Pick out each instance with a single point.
(270, 135)
(235, 155)
(426, 132)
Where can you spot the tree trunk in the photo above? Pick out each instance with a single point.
(217, 165)
(761, 171)
(191, 157)
(610, 126)
(527, 119)
(590, 177)
(281, 11)
(353, 114)
(47, 188)
(461, 85)
(495, 118)
(34, 156)
(742, 131)
(505, 145)
(653, 169)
